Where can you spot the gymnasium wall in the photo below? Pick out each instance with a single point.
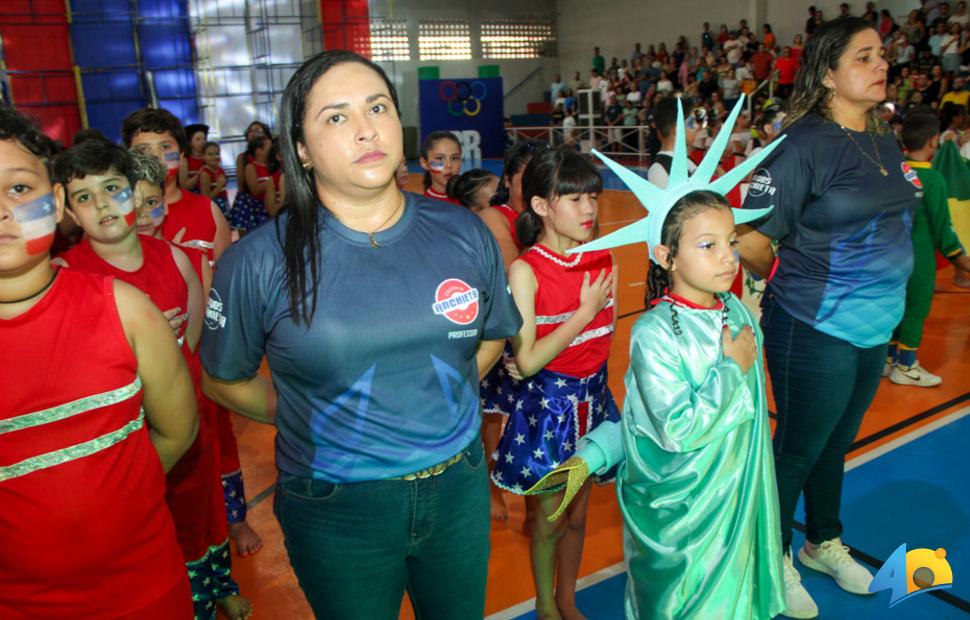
(404, 74)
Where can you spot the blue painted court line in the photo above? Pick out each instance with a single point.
(910, 494)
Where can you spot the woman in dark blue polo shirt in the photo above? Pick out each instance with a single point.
(844, 203)
(377, 311)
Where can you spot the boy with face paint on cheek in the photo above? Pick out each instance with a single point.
(149, 176)
(84, 528)
(194, 221)
(98, 180)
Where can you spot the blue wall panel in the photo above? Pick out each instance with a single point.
(112, 69)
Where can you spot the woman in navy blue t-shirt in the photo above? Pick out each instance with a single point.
(377, 312)
(844, 203)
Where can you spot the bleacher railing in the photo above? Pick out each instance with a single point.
(615, 141)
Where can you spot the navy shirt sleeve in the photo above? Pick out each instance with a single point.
(502, 319)
(785, 182)
(234, 338)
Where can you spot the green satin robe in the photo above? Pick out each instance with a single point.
(696, 483)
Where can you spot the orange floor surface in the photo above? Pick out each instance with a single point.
(268, 581)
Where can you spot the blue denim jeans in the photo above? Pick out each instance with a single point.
(357, 548)
(822, 387)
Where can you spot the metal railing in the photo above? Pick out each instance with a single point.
(615, 141)
(770, 82)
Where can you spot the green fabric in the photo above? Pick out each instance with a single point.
(932, 226)
(948, 162)
(932, 230)
(697, 486)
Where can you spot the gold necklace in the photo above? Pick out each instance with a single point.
(877, 164)
(373, 239)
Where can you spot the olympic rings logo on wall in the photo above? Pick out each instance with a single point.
(463, 98)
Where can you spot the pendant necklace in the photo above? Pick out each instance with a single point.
(877, 164)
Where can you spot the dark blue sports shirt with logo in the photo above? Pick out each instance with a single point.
(845, 252)
(384, 381)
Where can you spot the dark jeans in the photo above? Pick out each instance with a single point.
(356, 548)
(822, 386)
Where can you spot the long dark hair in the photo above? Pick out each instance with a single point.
(516, 158)
(685, 209)
(822, 52)
(429, 141)
(550, 174)
(301, 243)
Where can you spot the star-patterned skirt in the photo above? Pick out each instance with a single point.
(552, 411)
(498, 390)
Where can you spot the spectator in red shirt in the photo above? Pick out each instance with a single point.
(761, 62)
(787, 67)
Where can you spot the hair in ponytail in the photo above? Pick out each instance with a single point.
(464, 187)
(429, 141)
(517, 157)
(685, 209)
(552, 173)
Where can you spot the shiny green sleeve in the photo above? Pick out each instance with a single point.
(680, 414)
(602, 448)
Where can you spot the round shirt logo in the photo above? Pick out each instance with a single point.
(761, 184)
(911, 175)
(214, 317)
(456, 301)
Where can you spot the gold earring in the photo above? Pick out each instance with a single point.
(307, 164)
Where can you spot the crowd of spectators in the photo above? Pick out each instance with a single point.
(928, 53)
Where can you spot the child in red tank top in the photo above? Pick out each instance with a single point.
(566, 303)
(150, 206)
(96, 395)
(193, 220)
(212, 178)
(441, 160)
(98, 179)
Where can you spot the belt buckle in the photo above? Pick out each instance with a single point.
(432, 471)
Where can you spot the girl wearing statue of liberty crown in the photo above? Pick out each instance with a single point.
(696, 478)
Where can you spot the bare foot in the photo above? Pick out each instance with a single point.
(570, 612)
(247, 540)
(548, 612)
(499, 511)
(235, 607)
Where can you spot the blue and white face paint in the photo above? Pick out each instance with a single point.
(38, 221)
(150, 201)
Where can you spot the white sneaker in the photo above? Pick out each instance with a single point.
(887, 368)
(915, 375)
(832, 558)
(798, 602)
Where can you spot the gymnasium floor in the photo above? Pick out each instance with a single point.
(906, 470)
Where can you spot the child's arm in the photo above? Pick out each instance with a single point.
(253, 184)
(205, 183)
(187, 180)
(169, 399)
(196, 307)
(222, 239)
(938, 215)
(671, 412)
(532, 355)
(499, 227)
(599, 450)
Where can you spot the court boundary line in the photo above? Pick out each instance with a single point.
(944, 595)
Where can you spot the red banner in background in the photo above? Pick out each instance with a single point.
(37, 54)
(346, 25)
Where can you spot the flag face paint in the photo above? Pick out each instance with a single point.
(171, 159)
(126, 205)
(437, 165)
(157, 214)
(38, 221)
